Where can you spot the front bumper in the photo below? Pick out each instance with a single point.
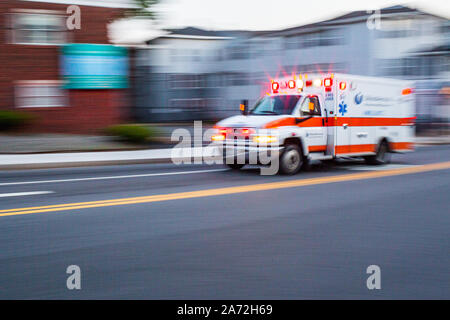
(248, 153)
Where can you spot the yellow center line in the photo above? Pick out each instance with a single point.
(227, 190)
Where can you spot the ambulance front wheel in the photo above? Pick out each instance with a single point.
(382, 156)
(291, 160)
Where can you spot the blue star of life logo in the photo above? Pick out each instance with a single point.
(342, 107)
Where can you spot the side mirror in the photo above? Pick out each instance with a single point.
(244, 107)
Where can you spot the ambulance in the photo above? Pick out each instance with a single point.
(322, 117)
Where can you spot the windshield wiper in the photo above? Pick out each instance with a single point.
(270, 112)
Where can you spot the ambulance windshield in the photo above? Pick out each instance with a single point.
(269, 105)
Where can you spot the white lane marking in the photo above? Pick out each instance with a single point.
(380, 167)
(20, 194)
(111, 177)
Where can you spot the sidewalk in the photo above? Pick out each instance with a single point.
(39, 143)
(49, 143)
(420, 141)
(74, 159)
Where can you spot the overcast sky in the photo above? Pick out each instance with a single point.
(272, 14)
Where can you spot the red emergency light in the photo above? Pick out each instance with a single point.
(328, 82)
(342, 85)
(291, 84)
(275, 87)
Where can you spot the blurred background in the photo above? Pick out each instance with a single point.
(81, 71)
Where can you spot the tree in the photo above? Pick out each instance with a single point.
(143, 9)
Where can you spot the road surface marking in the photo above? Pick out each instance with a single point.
(111, 177)
(20, 194)
(227, 190)
(378, 168)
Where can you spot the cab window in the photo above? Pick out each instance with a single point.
(310, 106)
(276, 105)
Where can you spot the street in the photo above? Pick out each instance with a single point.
(161, 231)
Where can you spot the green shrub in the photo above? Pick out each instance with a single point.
(132, 132)
(10, 120)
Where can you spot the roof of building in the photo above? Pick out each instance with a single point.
(202, 34)
(192, 31)
(352, 17)
(93, 3)
(365, 14)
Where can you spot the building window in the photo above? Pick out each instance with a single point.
(214, 80)
(38, 28)
(395, 33)
(40, 94)
(238, 79)
(390, 67)
(290, 43)
(239, 52)
(410, 67)
(187, 105)
(317, 68)
(315, 39)
(399, 29)
(331, 37)
(258, 49)
(183, 81)
(445, 63)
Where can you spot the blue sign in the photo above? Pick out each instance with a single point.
(94, 66)
(359, 98)
(342, 108)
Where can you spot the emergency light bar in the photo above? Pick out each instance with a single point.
(299, 84)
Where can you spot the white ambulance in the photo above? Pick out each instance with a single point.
(317, 117)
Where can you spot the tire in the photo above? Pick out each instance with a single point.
(235, 166)
(291, 160)
(382, 156)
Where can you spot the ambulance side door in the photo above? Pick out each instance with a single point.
(342, 123)
(315, 127)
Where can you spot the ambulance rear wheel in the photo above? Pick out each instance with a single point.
(291, 160)
(382, 156)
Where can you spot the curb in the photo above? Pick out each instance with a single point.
(82, 164)
(437, 143)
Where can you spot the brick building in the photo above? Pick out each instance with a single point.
(33, 35)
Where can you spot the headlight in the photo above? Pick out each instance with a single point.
(265, 139)
(220, 134)
(218, 137)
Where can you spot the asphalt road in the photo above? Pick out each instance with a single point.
(308, 236)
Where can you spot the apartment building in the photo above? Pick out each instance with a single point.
(60, 68)
(398, 42)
